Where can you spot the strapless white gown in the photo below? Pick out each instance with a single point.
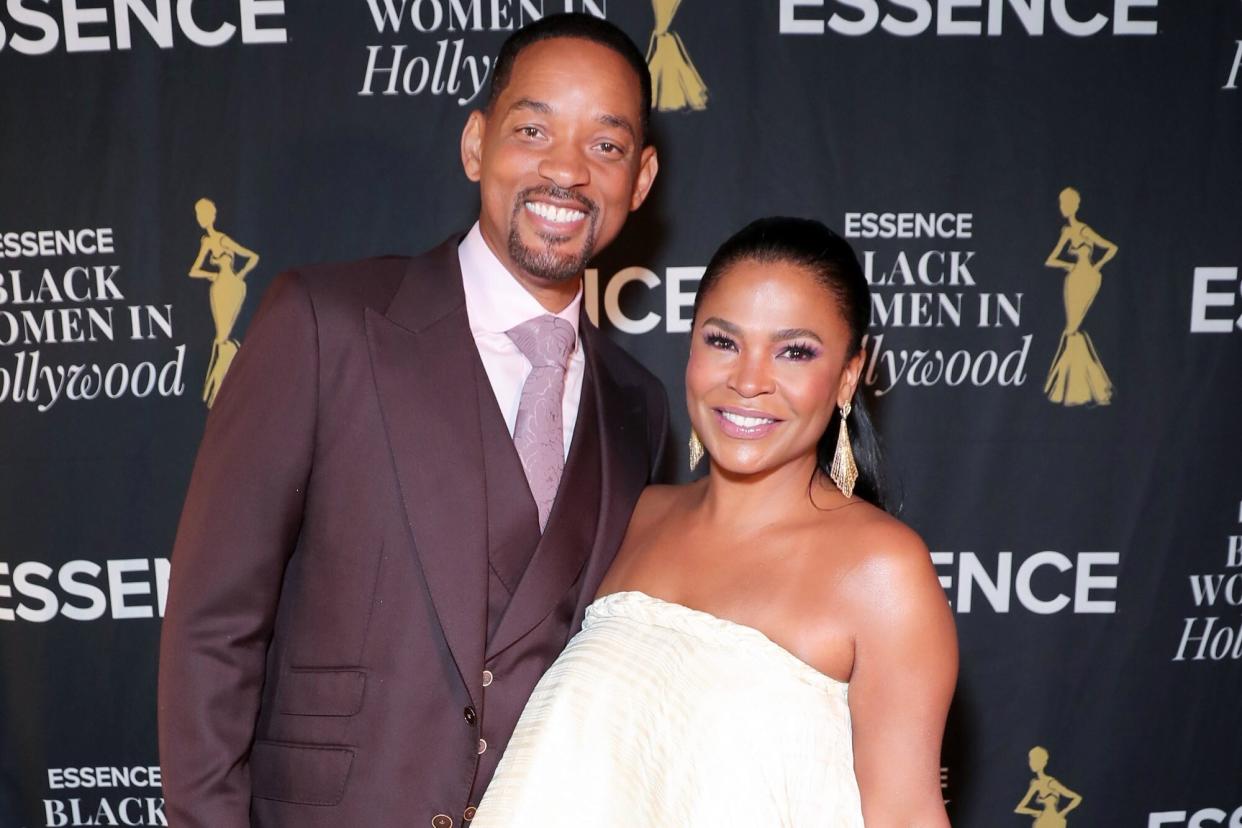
(660, 715)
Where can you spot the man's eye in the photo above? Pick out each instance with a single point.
(529, 131)
(610, 148)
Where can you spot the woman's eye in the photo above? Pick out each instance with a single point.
(800, 353)
(716, 340)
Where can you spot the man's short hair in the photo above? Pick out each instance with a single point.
(574, 25)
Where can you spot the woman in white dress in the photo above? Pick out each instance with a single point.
(771, 647)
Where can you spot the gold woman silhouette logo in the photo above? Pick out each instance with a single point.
(1047, 793)
(227, 293)
(1077, 376)
(675, 83)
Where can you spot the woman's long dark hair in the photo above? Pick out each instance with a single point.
(830, 259)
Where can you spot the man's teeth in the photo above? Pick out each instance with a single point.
(561, 215)
(745, 422)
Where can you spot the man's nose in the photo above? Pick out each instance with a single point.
(565, 167)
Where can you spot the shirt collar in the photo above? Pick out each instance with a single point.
(495, 301)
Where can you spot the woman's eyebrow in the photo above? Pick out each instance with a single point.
(796, 333)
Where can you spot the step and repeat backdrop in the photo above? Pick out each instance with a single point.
(1046, 197)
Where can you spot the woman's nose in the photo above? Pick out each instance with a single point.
(752, 375)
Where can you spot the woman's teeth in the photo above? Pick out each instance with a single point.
(746, 422)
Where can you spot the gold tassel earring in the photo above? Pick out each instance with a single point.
(844, 471)
(696, 449)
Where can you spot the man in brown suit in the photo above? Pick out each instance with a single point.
(413, 480)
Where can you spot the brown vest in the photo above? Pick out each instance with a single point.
(512, 520)
(513, 541)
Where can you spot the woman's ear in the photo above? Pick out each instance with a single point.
(850, 375)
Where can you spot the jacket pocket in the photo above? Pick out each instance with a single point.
(320, 691)
(303, 774)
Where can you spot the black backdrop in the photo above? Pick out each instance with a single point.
(1092, 553)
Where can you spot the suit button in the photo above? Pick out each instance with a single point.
(487, 678)
(470, 716)
(441, 821)
(470, 812)
(482, 746)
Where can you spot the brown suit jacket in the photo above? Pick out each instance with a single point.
(325, 641)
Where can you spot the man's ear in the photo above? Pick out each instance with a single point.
(648, 167)
(472, 145)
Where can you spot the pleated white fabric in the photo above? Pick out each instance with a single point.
(658, 714)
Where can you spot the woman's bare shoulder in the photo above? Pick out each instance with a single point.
(883, 556)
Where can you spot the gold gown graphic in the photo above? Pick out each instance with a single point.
(227, 293)
(675, 83)
(1077, 377)
(1048, 793)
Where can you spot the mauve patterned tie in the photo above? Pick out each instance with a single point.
(547, 341)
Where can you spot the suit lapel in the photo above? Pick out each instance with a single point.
(611, 426)
(421, 349)
(624, 453)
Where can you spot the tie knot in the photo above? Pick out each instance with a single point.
(547, 341)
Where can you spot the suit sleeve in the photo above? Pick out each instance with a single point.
(241, 519)
(657, 430)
